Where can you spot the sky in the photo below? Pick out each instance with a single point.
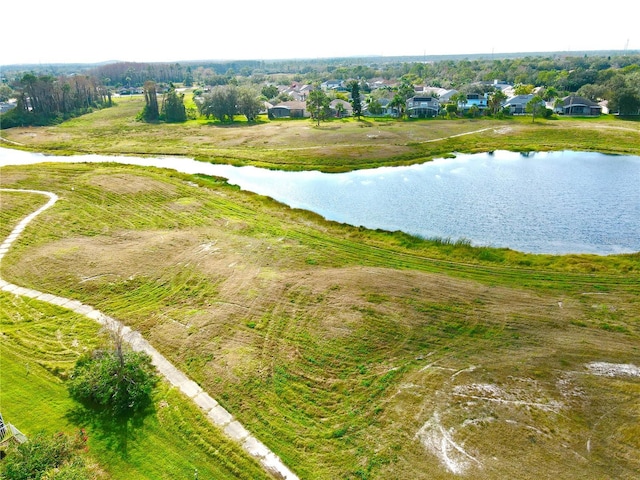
(81, 31)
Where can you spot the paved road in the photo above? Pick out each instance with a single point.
(214, 411)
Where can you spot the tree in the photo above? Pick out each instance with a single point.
(221, 103)
(460, 99)
(249, 104)
(523, 89)
(173, 110)
(373, 106)
(535, 107)
(356, 102)
(45, 99)
(150, 111)
(399, 104)
(270, 91)
(452, 109)
(495, 101)
(592, 92)
(549, 93)
(5, 93)
(406, 89)
(318, 105)
(625, 101)
(118, 382)
(188, 78)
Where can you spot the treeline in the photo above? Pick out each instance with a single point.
(43, 100)
(132, 74)
(563, 72)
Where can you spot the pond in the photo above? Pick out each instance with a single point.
(552, 202)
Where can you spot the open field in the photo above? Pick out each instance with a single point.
(337, 145)
(350, 353)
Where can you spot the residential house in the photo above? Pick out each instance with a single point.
(6, 106)
(445, 97)
(377, 83)
(291, 109)
(337, 85)
(385, 109)
(574, 105)
(478, 100)
(421, 106)
(517, 105)
(341, 108)
(297, 92)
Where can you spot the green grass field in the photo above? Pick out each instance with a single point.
(346, 350)
(40, 344)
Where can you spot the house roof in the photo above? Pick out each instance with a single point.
(519, 99)
(344, 103)
(576, 100)
(292, 105)
(446, 95)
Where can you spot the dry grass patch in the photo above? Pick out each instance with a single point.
(127, 183)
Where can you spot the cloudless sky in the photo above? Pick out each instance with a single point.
(70, 31)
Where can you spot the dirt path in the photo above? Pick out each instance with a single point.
(2, 139)
(213, 410)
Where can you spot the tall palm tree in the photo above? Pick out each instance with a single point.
(398, 103)
(495, 101)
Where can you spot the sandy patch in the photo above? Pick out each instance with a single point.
(440, 442)
(605, 369)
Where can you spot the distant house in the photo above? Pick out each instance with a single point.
(292, 109)
(337, 85)
(445, 97)
(297, 92)
(377, 83)
(130, 91)
(517, 105)
(341, 108)
(478, 100)
(385, 109)
(6, 106)
(422, 106)
(574, 105)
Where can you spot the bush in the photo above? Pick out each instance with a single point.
(47, 457)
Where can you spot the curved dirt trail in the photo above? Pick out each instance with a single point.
(214, 411)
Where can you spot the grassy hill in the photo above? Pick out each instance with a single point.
(350, 353)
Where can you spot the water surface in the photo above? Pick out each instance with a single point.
(555, 202)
